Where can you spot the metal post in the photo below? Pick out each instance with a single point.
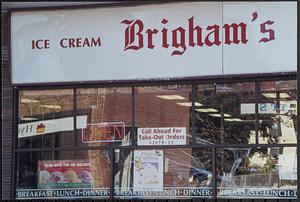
(257, 92)
(193, 114)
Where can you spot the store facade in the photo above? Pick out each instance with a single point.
(154, 101)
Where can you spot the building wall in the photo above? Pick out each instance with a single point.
(7, 107)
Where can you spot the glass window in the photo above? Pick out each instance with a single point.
(221, 116)
(238, 106)
(278, 112)
(46, 118)
(163, 173)
(163, 115)
(207, 115)
(266, 172)
(108, 112)
(63, 175)
(224, 113)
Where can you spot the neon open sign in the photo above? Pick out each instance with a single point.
(103, 132)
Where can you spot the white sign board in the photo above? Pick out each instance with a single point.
(49, 126)
(287, 164)
(162, 136)
(157, 41)
(148, 170)
(264, 108)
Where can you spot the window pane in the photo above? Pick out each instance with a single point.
(163, 115)
(238, 102)
(278, 112)
(219, 113)
(257, 173)
(165, 173)
(45, 118)
(108, 112)
(63, 175)
(207, 115)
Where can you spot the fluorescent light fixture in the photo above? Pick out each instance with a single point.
(28, 119)
(25, 100)
(273, 95)
(219, 115)
(170, 97)
(234, 119)
(51, 106)
(206, 110)
(189, 104)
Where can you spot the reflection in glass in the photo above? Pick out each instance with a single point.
(221, 118)
(257, 172)
(165, 173)
(45, 118)
(163, 108)
(278, 112)
(109, 116)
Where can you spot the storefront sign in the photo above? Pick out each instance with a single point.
(65, 174)
(49, 126)
(190, 39)
(103, 132)
(257, 193)
(166, 192)
(63, 193)
(198, 192)
(148, 170)
(162, 136)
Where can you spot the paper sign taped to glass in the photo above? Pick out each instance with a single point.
(65, 174)
(148, 170)
(287, 164)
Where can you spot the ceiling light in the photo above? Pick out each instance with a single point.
(189, 104)
(206, 110)
(28, 119)
(25, 100)
(171, 97)
(234, 119)
(51, 106)
(273, 95)
(219, 115)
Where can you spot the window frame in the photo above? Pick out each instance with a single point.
(133, 84)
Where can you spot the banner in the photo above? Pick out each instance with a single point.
(63, 193)
(206, 192)
(148, 170)
(162, 136)
(65, 174)
(49, 126)
(157, 41)
(166, 193)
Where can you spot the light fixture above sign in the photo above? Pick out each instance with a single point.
(206, 110)
(170, 97)
(51, 106)
(189, 104)
(219, 115)
(273, 95)
(26, 100)
(28, 119)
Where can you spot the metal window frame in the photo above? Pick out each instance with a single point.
(133, 85)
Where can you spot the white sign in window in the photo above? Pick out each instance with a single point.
(162, 136)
